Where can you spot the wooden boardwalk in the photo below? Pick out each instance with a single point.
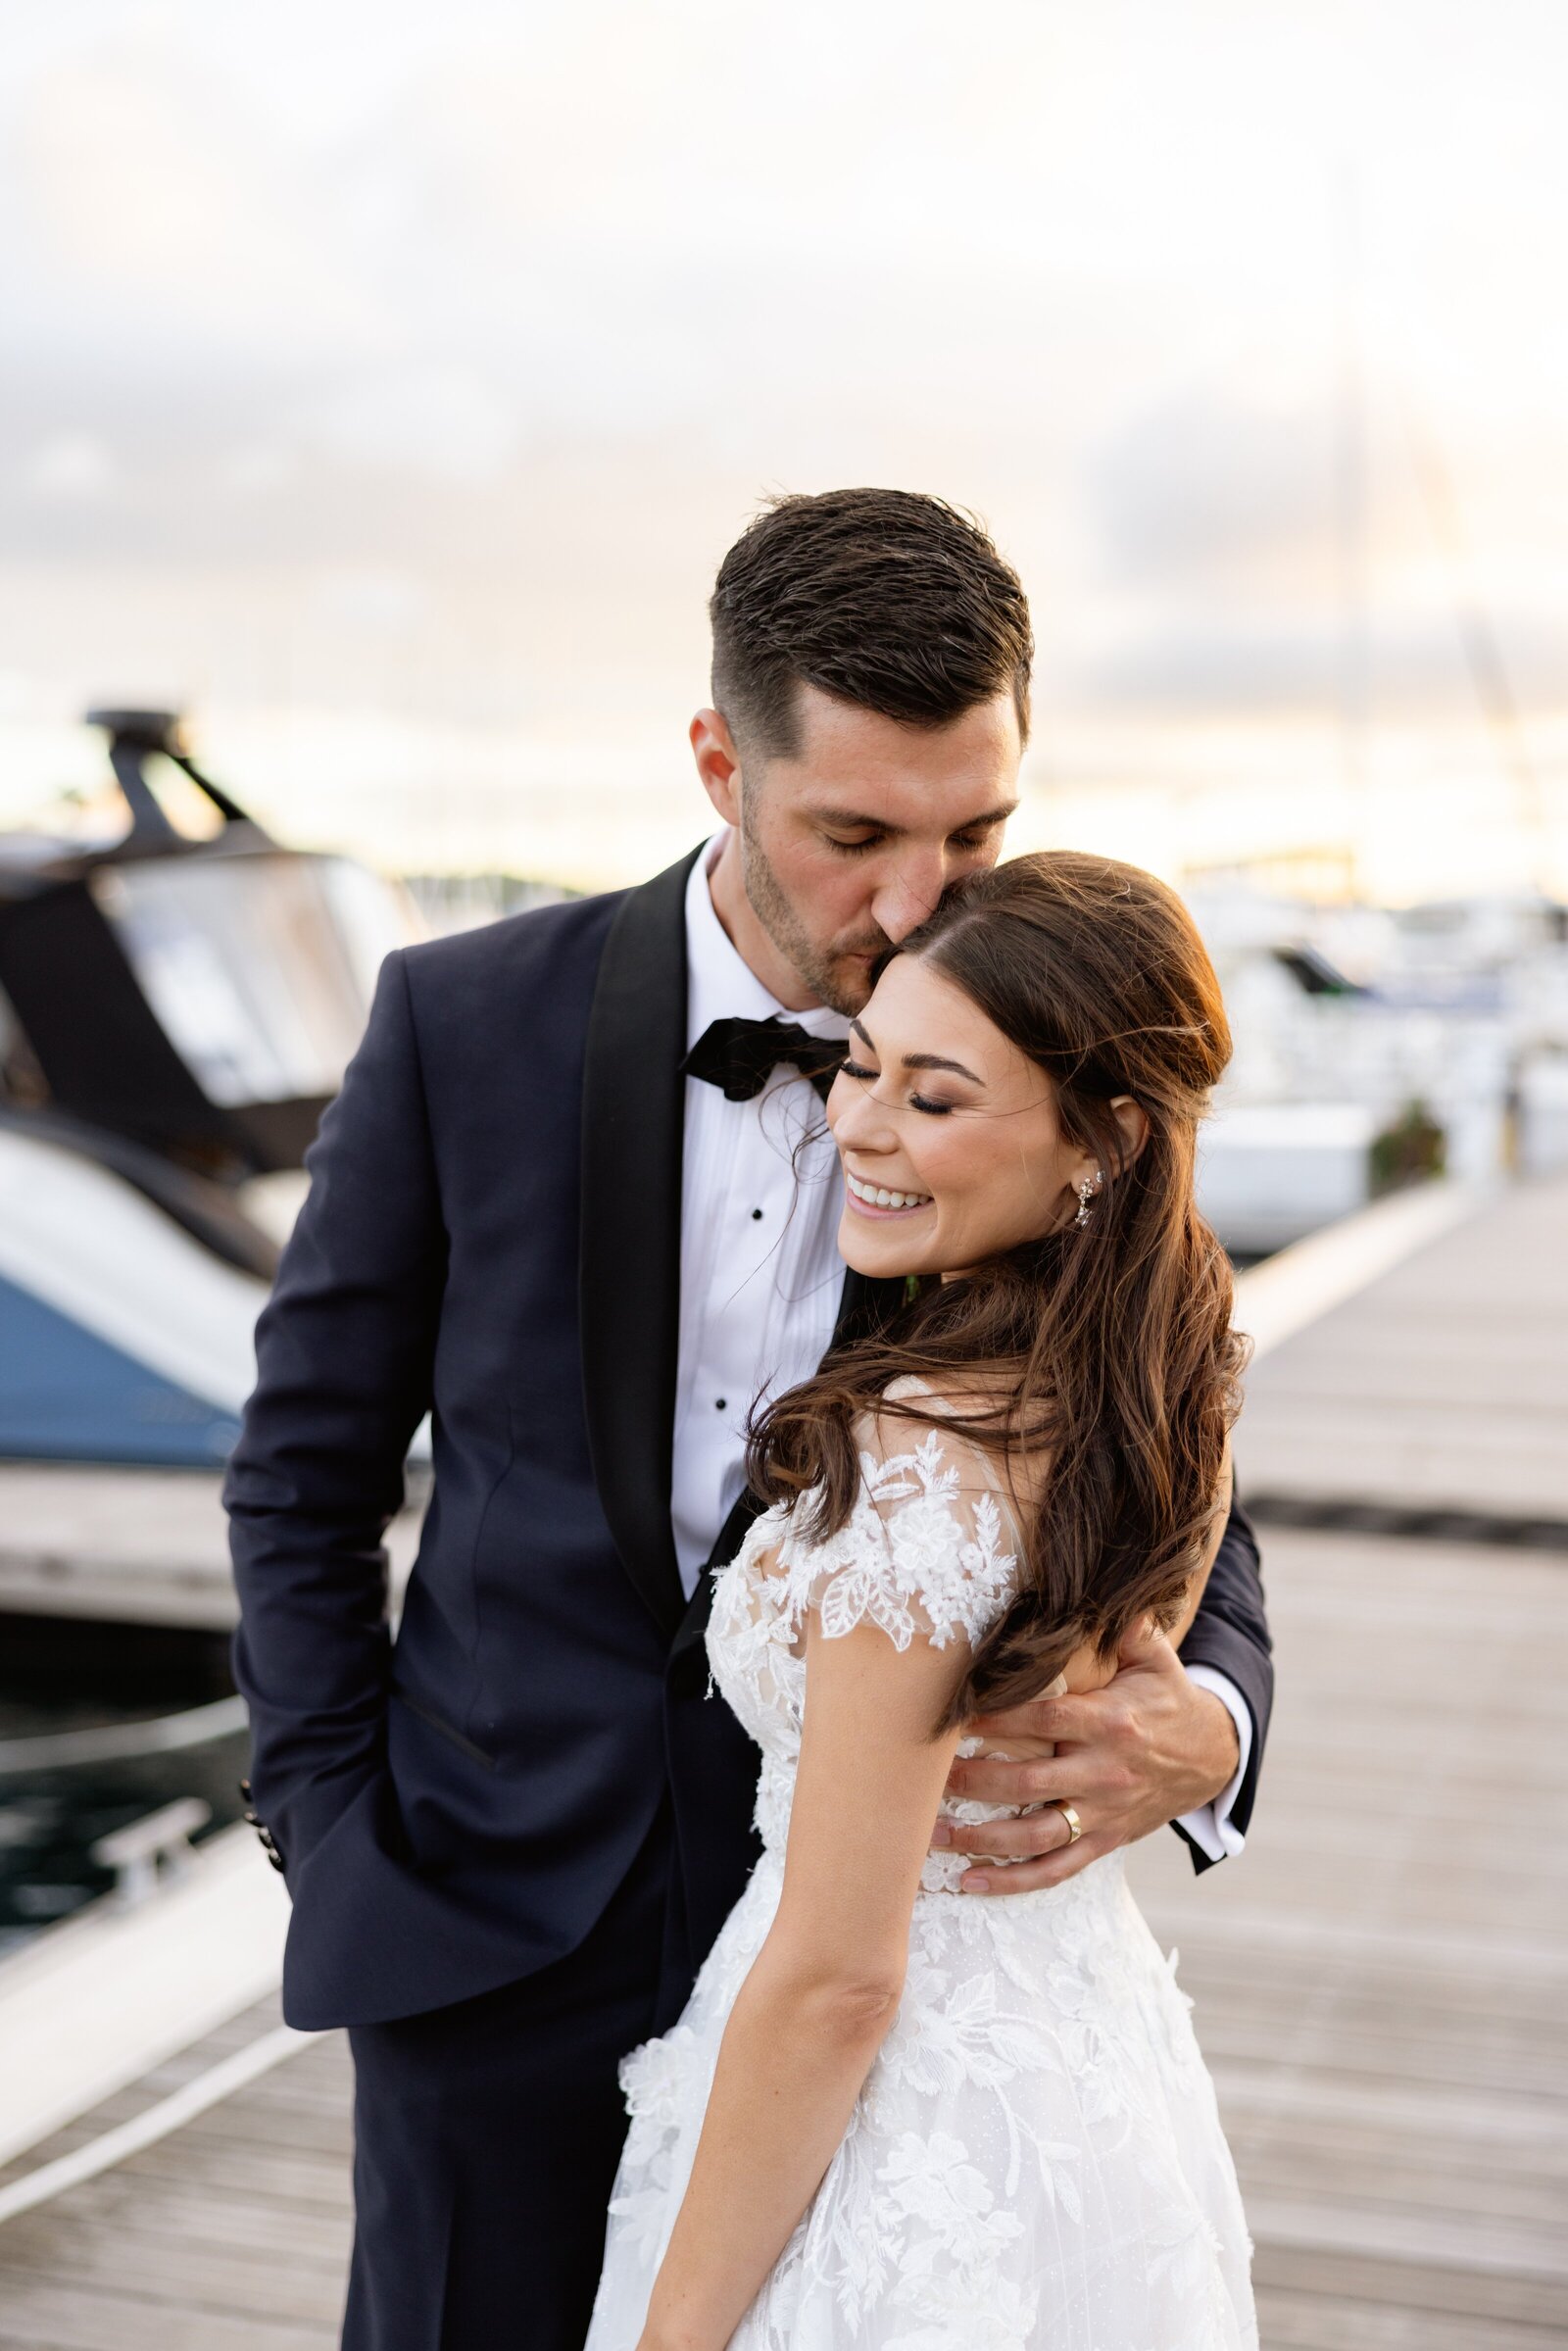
(1381, 1985)
(1443, 1387)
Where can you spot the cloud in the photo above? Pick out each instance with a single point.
(373, 603)
(1199, 483)
(152, 194)
(69, 466)
(1233, 661)
(441, 420)
(528, 307)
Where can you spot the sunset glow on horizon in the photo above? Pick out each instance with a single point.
(383, 390)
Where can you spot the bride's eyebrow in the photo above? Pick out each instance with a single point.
(916, 1060)
(936, 1061)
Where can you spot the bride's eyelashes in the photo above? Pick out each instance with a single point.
(917, 1101)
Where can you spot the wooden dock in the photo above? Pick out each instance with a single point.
(1381, 1984)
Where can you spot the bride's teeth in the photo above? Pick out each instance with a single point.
(877, 1197)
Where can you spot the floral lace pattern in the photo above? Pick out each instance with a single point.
(1035, 2162)
(903, 1560)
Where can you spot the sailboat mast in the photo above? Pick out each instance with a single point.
(1350, 516)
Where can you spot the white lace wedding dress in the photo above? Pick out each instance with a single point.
(1035, 2162)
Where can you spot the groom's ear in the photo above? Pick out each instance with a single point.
(718, 763)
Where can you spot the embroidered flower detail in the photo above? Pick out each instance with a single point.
(1007, 2322)
(943, 2038)
(656, 2079)
(932, 2181)
(914, 1556)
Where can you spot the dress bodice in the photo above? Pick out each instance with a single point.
(930, 1552)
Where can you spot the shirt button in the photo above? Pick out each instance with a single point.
(757, 1216)
(720, 1404)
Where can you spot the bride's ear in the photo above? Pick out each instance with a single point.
(1132, 1125)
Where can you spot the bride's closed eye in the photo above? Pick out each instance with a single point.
(917, 1101)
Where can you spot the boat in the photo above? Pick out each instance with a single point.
(1376, 1047)
(177, 1009)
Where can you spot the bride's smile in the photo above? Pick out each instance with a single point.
(874, 1200)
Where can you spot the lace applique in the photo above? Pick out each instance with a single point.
(1034, 2158)
(921, 1553)
(904, 1558)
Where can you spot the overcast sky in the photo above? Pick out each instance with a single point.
(386, 382)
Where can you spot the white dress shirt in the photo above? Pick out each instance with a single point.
(760, 1275)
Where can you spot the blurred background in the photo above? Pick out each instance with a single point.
(385, 391)
(382, 388)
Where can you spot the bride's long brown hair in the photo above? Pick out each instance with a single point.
(1107, 1344)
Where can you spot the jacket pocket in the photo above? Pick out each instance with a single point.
(428, 1714)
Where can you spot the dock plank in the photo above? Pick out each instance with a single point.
(1445, 1383)
(45, 2316)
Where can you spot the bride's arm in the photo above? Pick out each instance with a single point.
(825, 1985)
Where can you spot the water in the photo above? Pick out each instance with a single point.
(60, 1676)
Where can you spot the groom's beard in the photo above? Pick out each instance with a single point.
(837, 975)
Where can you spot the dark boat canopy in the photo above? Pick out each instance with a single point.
(199, 998)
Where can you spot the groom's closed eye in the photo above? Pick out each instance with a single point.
(966, 843)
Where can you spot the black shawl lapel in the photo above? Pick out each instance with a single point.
(865, 1305)
(633, 1106)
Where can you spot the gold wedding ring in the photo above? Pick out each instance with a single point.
(1075, 1826)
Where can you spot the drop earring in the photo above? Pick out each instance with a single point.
(1086, 1192)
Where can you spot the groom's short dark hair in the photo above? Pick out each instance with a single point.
(888, 598)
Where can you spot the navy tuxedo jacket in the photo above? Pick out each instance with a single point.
(492, 1235)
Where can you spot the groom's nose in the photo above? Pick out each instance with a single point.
(910, 889)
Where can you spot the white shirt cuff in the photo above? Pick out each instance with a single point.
(1210, 1827)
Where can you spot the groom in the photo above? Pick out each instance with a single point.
(569, 1202)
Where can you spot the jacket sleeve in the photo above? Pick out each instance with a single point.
(1230, 1633)
(345, 1353)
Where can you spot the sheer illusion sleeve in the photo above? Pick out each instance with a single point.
(926, 1552)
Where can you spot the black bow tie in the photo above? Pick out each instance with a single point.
(740, 1055)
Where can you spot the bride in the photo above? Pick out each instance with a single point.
(895, 2116)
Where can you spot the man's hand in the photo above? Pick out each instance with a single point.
(1147, 1748)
